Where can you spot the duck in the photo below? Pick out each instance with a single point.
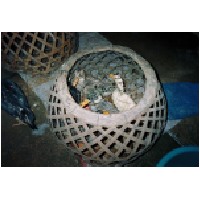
(122, 101)
(15, 103)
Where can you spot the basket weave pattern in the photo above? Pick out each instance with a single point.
(112, 138)
(36, 53)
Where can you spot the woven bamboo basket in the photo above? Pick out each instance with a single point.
(36, 53)
(116, 137)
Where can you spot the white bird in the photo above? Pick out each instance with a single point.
(121, 100)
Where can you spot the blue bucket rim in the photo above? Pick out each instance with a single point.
(167, 157)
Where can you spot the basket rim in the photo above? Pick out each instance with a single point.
(113, 119)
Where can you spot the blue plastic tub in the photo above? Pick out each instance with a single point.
(181, 157)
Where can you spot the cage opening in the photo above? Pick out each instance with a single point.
(121, 139)
(25, 46)
(151, 114)
(17, 40)
(95, 147)
(153, 137)
(53, 111)
(70, 144)
(59, 34)
(58, 43)
(58, 110)
(47, 49)
(58, 135)
(114, 149)
(10, 34)
(87, 138)
(133, 121)
(90, 125)
(161, 102)
(5, 39)
(119, 126)
(75, 120)
(49, 39)
(101, 156)
(105, 140)
(162, 112)
(137, 133)
(35, 53)
(41, 35)
(145, 136)
(68, 121)
(162, 122)
(157, 114)
(130, 144)
(86, 152)
(32, 62)
(128, 130)
(29, 38)
(73, 131)
(49, 108)
(157, 124)
(123, 154)
(140, 147)
(54, 123)
(54, 99)
(22, 54)
(112, 133)
(45, 60)
(80, 144)
(141, 124)
(66, 48)
(56, 55)
(81, 128)
(38, 44)
(64, 133)
(149, 124)
(61, 122)
(105, 128)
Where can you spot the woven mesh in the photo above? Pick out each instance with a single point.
(112, 138)
(36, 53)
(98, 66)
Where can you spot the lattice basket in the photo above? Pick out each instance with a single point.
(103, 137)
(36, 53)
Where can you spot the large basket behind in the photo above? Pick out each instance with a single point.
(36, 53)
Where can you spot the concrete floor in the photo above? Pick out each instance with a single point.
(175, 57)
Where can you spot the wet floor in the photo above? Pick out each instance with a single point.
(175, 56)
